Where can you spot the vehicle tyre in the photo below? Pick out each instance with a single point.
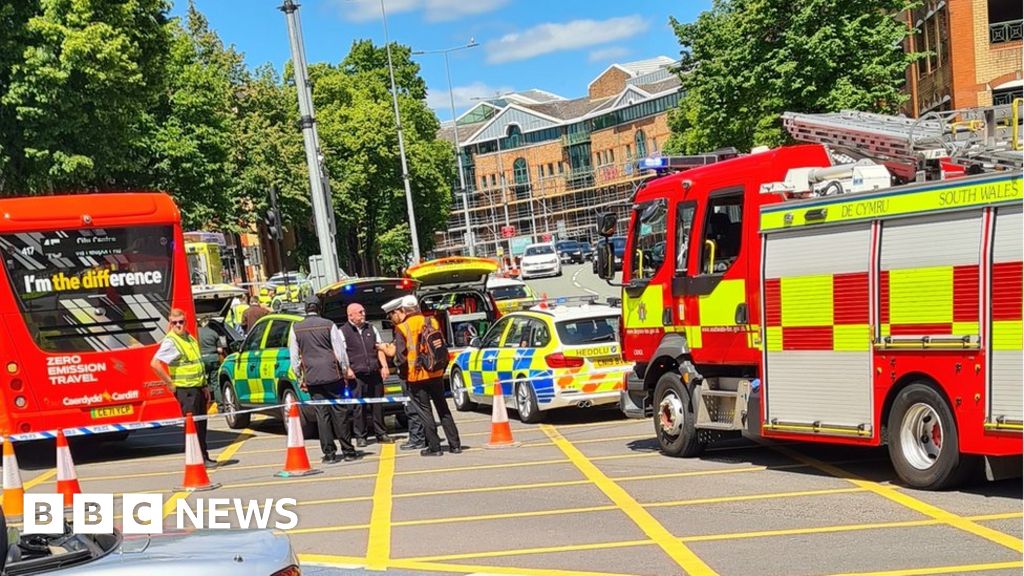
(674, 418)
(526, 403)
(923, 443)
(232, 405)
(460, 395)
(309, 428)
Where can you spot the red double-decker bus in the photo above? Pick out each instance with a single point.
(88, 283)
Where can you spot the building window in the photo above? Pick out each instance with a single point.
(561, 168)
(654, 145)
(1004, 20)
(540, 171)
(641, 144)
(611, 156)
(1006, 95)
(629, 152)
(519, 171)
(514, 136)
(494, 180)
(551, 169)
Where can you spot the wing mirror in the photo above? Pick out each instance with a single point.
(474, 342)
(606, 224)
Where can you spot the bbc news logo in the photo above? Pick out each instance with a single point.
(144, 513)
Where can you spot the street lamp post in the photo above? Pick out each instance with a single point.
(401, 142)
(455, 127)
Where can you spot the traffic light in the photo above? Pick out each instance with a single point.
(273, 222)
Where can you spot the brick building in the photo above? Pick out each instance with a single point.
(546, 165)
(974, 54)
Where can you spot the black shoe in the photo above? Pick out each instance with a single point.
(429, 452)
(455, 449)
(209, 462)
(411, 446)
(329, 459)
(360, 442)
(385, 439)
(350, 457)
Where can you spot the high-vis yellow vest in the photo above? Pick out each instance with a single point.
(187, 369)
(236, 314)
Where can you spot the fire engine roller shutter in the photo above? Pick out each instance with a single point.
(818, 348)
(1006, 375)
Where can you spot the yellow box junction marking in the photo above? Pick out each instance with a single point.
(675, 549)
(910, 502)
(378, 547)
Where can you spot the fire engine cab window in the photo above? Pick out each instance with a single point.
(684, 224)
(722, 233)
(649, 237)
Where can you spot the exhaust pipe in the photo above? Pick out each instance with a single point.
(583, 404)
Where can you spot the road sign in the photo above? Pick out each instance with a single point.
(508, 231)
(546, 237)
(519, 244)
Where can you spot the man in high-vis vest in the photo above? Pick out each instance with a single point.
(425, 388)
(179, 363)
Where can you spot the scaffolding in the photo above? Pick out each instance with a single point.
(564, 205)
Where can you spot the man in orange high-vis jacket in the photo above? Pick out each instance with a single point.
(424, 387)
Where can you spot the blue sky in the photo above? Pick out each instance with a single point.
(554, 45)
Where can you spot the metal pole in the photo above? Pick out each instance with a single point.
(458, 154)
(401, 143)
(323, 214)
(504, 193)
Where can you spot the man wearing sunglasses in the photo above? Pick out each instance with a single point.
(179, 363)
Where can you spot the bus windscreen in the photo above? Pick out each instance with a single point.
(92, 289)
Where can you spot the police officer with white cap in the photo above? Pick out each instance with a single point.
(417, 440)
(424, 381)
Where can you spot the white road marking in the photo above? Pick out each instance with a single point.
(576, 283)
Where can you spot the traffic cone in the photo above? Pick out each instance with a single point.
(544, 301)
(296, 462)
(14, 494)
(196, 478)
(501, 430)
(67, 478)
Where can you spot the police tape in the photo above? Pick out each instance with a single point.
(173, 422)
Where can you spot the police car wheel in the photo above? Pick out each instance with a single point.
(460, 396)
(923, 442)
(231, 405)
(526, 404)
(673, 418)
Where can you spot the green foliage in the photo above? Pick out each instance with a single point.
(745, 62)
(96, 94)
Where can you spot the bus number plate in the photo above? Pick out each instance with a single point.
(111, 411)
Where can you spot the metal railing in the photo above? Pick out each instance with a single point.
(575, 138)
(1008, 31)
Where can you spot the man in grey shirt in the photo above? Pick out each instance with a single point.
(317, 350)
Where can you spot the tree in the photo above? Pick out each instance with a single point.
(192, 144)
(355, 119)
(745, 62)
(84, 78)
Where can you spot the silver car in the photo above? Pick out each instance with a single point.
(199, 553)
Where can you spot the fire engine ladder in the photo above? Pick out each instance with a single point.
(989, 137)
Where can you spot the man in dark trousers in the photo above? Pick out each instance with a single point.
(317, 350)
(179, 363)
(425, 387)
(368, 368)
(416, 440)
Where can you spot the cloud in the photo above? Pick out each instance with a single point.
(553, 37)
(464, 96)
(433, 10)
(610, 53)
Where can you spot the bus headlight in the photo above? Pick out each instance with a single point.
(20, 402)
(12, 367)
(16, 384)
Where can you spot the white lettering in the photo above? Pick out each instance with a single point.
(140, 514)
(281, 509)
(184, 509)
(93, 513)
(217, 508)
(254, 509)
(39, 515)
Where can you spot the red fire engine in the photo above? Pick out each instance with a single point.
(788, 295)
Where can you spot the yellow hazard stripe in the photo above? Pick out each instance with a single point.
(719, 307)
(1007, 335)
(921, 295)
(851, 337)
(943, 197)
(774, 336)
(806, 300)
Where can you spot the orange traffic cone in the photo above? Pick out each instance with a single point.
(501, 430)
(14, 494)
(544, 301)
(67, 478)
(196, 478)
(296, 462)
